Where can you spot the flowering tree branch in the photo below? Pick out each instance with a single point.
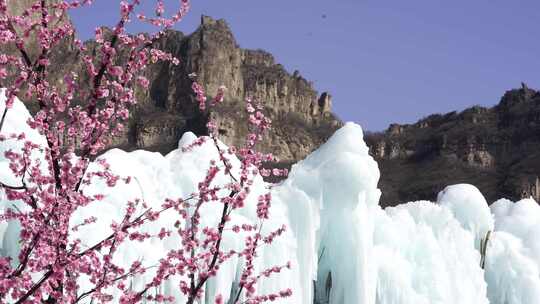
(77, 119)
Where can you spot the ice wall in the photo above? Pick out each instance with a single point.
(343, 246)
(341, 179)
(513, 259)
(414, 253)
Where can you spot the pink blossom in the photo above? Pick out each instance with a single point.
(75, 132)
(143, 81)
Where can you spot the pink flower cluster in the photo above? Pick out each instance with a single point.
(207, 261)
(78, 119)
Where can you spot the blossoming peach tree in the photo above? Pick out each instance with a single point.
(77, 117)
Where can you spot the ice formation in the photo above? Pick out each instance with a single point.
(344, 247)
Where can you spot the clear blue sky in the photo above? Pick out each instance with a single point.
(383, 61)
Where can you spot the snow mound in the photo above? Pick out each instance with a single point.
(469, 207)
(513, 257)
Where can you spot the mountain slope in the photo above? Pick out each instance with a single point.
(302, 118)
(496, 149)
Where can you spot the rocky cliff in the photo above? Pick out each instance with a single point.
(496, 149)
(302, 119)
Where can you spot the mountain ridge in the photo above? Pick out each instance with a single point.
(302, 117)
(490, 147)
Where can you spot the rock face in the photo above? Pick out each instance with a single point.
(302, 120)
(496, 149)
(212, 53)
(17, 7)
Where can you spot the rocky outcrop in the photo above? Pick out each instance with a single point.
(302, 119)
(212, 53)
(530, 187)
(323, 106)
(496, 149)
